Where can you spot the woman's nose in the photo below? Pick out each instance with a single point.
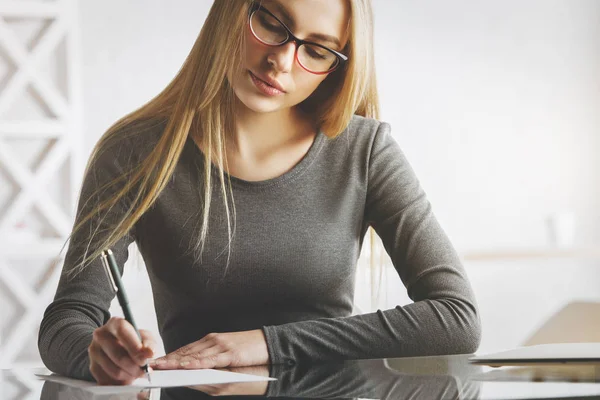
(284, 56)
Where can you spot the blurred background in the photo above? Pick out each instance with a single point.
(496, 105)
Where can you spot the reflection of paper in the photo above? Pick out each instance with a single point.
(167, 378)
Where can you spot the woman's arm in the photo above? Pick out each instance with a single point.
(443, 318)
(81, 302)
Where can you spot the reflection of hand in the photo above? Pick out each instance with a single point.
(258, 370)
(218, 350)
(240, 388)
(143, 395)
(232, 389)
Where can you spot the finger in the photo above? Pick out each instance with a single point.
(125, 333)
(101, 376)
(116, 353)
(112, 370)
(148, 342)
(196, 347)
(173, 360)
(165, 363)
(218, 360)
(199, 345)
(211, 351)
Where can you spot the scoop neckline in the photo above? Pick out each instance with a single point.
(296, 170)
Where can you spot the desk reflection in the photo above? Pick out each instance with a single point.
(372, 379)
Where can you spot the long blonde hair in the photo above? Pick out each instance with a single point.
(200, 101)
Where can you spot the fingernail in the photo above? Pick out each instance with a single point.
(159, 362)
(184, 363)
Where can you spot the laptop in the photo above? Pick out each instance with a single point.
(555, 353)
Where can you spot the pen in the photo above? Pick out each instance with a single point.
(110, 266)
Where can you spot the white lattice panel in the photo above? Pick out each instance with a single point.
(40, 162)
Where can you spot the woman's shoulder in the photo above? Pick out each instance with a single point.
(137, 135)
(129, 144)
(364, 122)
(367, 126)
(361, 133)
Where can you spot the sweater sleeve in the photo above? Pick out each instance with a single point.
(443, 318)
(81, 303)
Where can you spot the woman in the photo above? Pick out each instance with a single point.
(248, 185)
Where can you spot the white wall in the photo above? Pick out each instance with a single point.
(497, 104)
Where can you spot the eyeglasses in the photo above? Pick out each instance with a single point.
(269, 30)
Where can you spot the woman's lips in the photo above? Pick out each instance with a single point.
(264, 87)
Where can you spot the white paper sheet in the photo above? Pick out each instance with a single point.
(162, 378)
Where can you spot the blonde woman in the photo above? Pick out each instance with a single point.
(248, 185)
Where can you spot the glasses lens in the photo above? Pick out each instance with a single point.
(316, 58)
(267, 28)
(270, 31)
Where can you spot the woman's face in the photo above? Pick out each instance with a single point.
(305, 18)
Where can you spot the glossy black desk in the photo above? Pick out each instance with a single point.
(421, 378)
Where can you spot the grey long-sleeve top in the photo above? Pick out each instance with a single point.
(293, 258)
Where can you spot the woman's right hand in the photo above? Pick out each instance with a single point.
(117, 354)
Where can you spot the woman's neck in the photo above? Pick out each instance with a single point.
(259, 135)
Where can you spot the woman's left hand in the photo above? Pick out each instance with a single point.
(218, 350)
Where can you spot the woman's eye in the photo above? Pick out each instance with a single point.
(314, 54)
(268, 25)
(272, 28)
